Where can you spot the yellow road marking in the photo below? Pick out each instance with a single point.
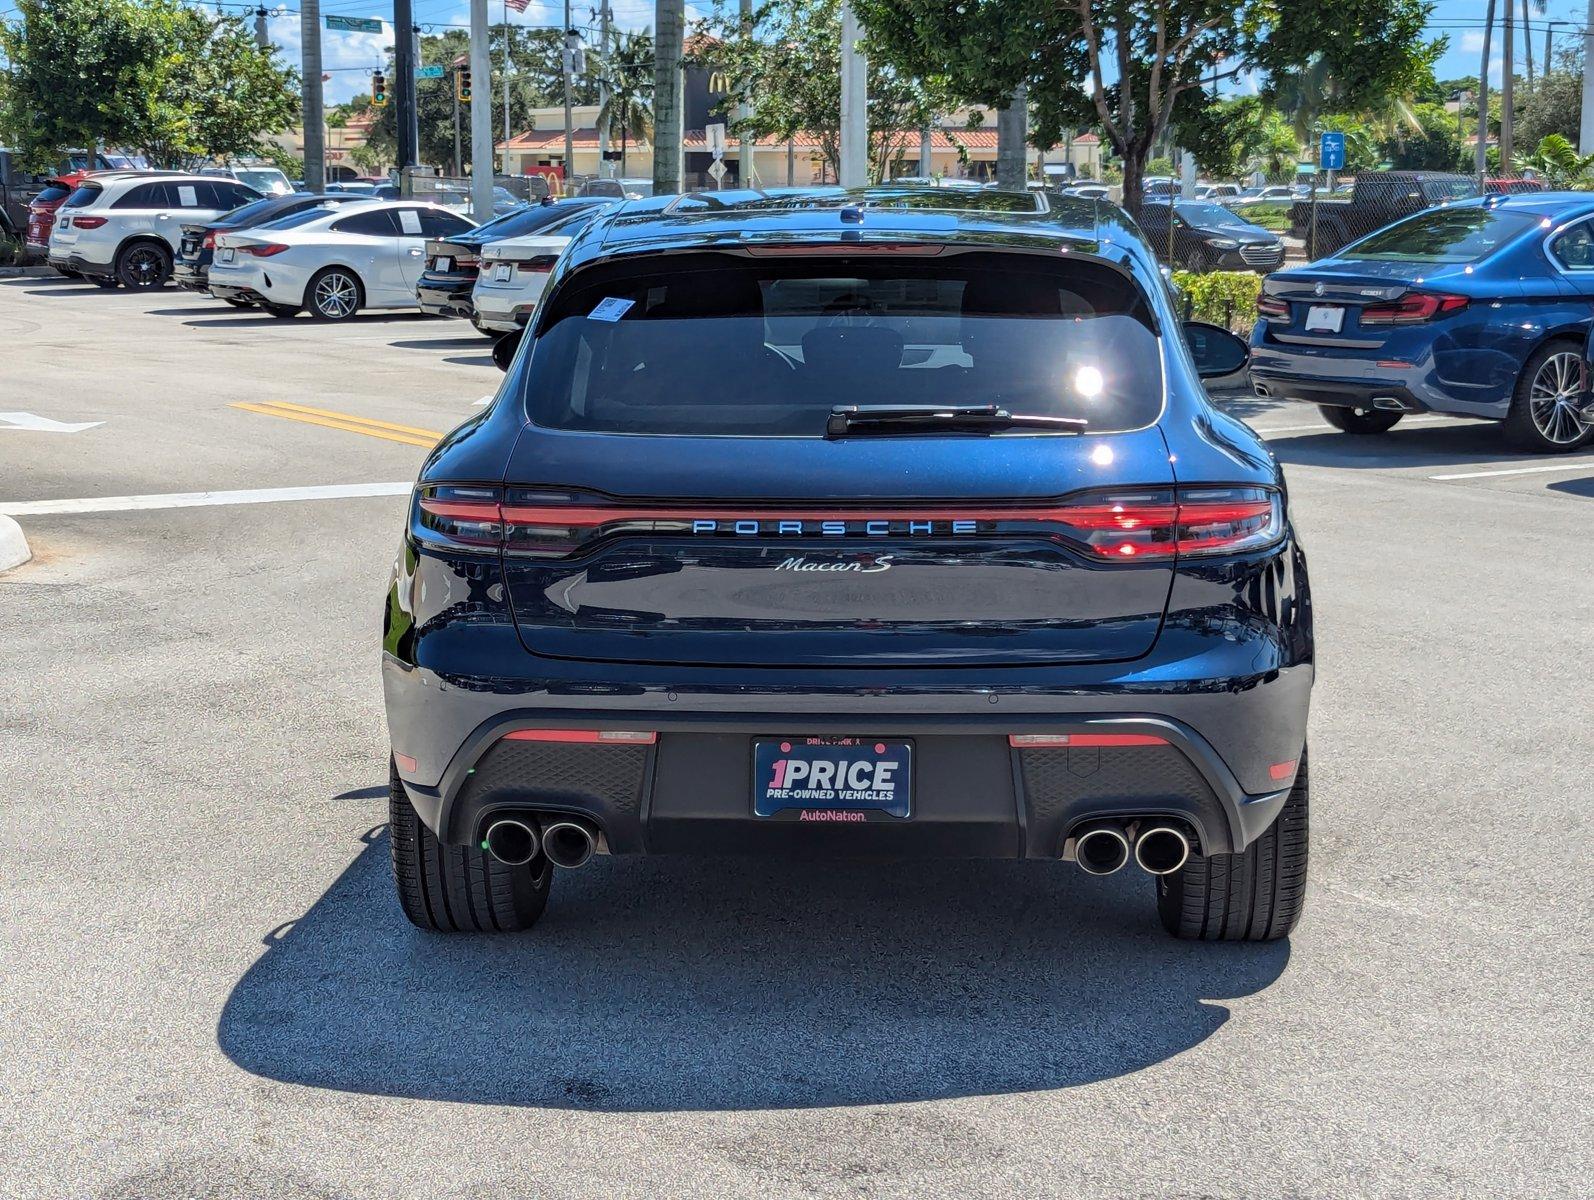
(409, 435)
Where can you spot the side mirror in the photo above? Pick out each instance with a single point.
(504, 349)
(1216, 351)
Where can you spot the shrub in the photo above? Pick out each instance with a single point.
(1226, 298)
(1275, 217)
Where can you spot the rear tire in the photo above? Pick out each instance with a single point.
(1255, 896)
(334, 295)
(144, 266)
(1351, 420)
(1544, 415)
(458, 889)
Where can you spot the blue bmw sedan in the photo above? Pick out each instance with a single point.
(1479, 309)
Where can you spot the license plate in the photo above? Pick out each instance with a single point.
(34, 231)
(502, 272)
(832, 779)
(442, 263)
(226, 254)
(66, 222)
(1329, 318)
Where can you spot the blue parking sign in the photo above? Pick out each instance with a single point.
(1331, 152)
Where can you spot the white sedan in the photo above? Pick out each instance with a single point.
(514, 271)
(332, 261)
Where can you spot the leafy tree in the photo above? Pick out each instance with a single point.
(784, 68)
(1236, 137)
(1137, 69)
(173, 82)
(1553, 106)
(1434, 144)
(627, 69)
(1559, 163)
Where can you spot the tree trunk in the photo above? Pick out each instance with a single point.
(1134, 175)
(669, 18)
(1011, 128)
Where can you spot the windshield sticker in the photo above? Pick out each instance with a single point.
(610, 308)
(186, 196)
(409, 220)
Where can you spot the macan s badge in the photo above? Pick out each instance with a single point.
(856, 565)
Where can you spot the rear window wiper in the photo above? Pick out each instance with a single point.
(935, 418)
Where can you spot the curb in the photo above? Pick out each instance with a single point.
(13, 546)
(26, 272)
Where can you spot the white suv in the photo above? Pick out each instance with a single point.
(125, 229)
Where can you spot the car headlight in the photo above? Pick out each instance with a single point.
(1223, 243)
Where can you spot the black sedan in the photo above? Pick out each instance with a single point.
(191, 269)
(451, 263)
(1209, 237)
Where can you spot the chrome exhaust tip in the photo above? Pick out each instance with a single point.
(1101, 850)
(512, 842)
(568, 844)
(1161, 850)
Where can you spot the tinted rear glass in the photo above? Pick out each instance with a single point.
(710, 344)
(303, 217)
(51, 192)
(533, 220)
(1443, 235)
(83, 195)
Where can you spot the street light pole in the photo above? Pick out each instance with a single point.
(481, 115)
(606, 62)
(310, 98)
(570, 134)
(404, 68)
(854, 172)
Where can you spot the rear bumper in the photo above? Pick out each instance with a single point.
(445, 299)
(504, 312)
(973, 795)
(193, 277)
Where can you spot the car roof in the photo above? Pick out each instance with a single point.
(820, 216)
(1552, 205)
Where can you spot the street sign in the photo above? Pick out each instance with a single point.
(717, 170)
(715, 135)
(1331, 152)
(429, 73)
(355, 24)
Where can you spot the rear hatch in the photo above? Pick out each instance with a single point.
(684, 494)
(192, 246)
(522, 263)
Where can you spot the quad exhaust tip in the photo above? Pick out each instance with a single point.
(512, 842)
(1101, 850)
(568, 844)
(1161, 850)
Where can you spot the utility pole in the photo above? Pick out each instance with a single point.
(310, 99)
(745, 146)
(459, 166)
(262, 38)
(567, 61)
(1527, 45)
(1481, 159)
(1585, 138)
(481, 116)
(404, 68)
(508, 132)
(606, 61)
(669, 101)
(854, 172)
(1507, 116)
(927, 152)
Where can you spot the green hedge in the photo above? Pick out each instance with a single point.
(1275, 217)
(1226, 298)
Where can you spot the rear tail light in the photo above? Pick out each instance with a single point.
(265, 251)
(209, 242)
(541, 262)
(1157, 524)
(87, 222)
(1413, 308)
(1271, 308)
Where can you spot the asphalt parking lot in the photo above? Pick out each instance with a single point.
(209, 990)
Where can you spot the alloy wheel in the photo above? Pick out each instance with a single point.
(1554, 397)
(144, 267)
(336, 295)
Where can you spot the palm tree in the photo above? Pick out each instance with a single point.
(628, 73)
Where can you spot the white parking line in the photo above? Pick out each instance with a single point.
(1580, 464)
(1323, 425)
(98, 504)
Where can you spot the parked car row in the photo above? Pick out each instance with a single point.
(1478, 308)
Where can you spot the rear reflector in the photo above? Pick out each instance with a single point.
(623, 737)
(1282, 770)
(405, 762)
(1037, 741)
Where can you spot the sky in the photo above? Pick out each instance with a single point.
(349, 57)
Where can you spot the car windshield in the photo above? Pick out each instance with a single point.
(718, 345)
(1443, 235)
(267, 180)
(1450, 189)
(303, 217)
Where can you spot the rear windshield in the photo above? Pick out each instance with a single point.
(51, 192)
(1443, 235)
(303, 216)
(268, 180)
(250, 212)
(712, 344)
(83, 195)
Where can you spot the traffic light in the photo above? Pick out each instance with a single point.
(378, 89)
(462, 85)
